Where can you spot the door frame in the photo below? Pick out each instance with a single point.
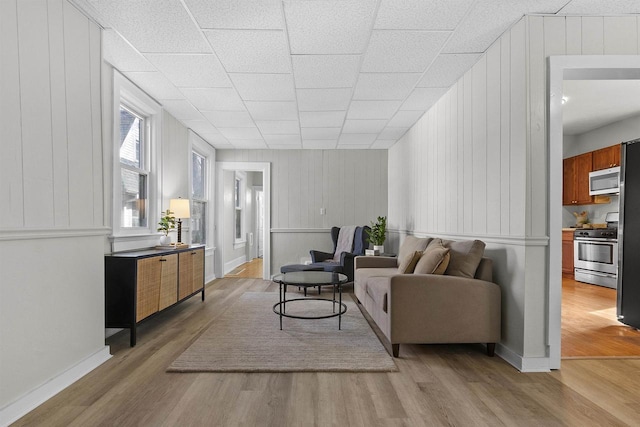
(265, 168)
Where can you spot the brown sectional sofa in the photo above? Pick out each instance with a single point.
(460, 306)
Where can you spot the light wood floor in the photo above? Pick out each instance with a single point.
(452, 385)
(589, 325)
(248, 270)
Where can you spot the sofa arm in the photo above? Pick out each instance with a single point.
(447, 309)
(375, 262)
(319, 256)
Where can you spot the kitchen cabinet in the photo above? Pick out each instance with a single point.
(606, 158)
(567, 252)
(575, 183)
(140, 284)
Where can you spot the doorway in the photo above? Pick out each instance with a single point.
(240, 226)
(561, 68)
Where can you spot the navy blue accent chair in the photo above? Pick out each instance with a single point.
(345, 266)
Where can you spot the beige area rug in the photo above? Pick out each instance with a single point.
(247, 338)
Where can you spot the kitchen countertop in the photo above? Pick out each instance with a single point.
(568, 229)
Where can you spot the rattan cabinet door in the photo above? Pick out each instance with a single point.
(148, 287)
(191, 272)
(168, 281)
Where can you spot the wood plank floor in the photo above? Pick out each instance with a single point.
(248, 270)
(589, 324)
(437, 385)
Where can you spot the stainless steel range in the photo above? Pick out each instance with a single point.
(595, 254)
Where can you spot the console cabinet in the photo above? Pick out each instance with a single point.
(139, 284)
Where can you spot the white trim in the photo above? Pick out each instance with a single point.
(229, 266)
(570, 67)
(300, 230)
(52, 233)
(523, 364)
(46, 391)
(265, 168)
(493, 239)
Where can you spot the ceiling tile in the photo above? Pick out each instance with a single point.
(383, 144)
(201, 127)
(320, 133)
(323, 99)
(155, 84)
(211, 99)
(422, 98)
(191, 70)
(405, 119)
(249, 144)
(320, 119)
(421, 14)
(599, 7)
(285, 146)
(166, 27)
(238, 14)
(215, 139)
(326, 27)
(352, 146)
(264, 87)
(277, 110)
(244, 51)
(279, 127)
(373, 109)
(121, 55)
(181, 109)
(488, 19)
(282, 139)
(316, 144)
(325, 71)
(402, 51)
(385, 86)
(357, 138)
(447, 69)
(363, 126)
(392, 133)
(235, 119)
(232, 133)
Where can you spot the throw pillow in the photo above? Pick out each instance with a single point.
(410, 244)
(465, 257)
(408, 266)
(434, 259)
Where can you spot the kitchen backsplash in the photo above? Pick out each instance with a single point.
(596, 212)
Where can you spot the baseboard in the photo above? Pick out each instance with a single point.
(39, 395)
(523, 364)
(229, 266)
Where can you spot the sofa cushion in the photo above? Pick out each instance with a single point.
(378, 289)
(409, 246)
(434, 259)
(363, 274)
(465, 257)
(409, 264)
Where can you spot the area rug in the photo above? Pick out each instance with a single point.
(247, 338)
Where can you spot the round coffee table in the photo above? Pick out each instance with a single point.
(308, 279)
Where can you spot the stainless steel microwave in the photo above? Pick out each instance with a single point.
(605, 181)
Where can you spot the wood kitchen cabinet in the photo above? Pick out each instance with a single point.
(606, 158)
(139, 284)
(567, 252)
(575, 184)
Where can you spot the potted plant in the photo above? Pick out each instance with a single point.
(378, 233)
(167, 223)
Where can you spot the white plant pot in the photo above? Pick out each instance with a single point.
(165, 240)
(379, 248)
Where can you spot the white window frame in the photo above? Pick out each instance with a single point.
(203, 148)
(205, 198)
(131, 97)
(240, 176)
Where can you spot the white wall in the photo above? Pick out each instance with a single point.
(350, 184)
(51, 181)
(605, 136)
(478, 166)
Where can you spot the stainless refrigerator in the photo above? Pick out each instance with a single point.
(628, 307)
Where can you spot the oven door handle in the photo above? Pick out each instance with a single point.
(592, 240)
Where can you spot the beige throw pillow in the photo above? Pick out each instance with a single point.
(408, 266)
(434, 259)
(409, 246)
(465, 257)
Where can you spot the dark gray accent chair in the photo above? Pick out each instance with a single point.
(345, 266)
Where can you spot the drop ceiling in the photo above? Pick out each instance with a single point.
(317, 74)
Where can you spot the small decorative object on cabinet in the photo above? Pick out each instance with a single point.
(166, 224)
(139, 284)
(377, 234)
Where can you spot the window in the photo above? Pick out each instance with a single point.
(133, 170)
(239, 201)
(198, 198)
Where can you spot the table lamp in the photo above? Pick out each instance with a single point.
(180, 209)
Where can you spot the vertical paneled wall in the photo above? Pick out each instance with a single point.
(51, 186)
(350, 184)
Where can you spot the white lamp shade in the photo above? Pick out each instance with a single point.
(180, 208)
